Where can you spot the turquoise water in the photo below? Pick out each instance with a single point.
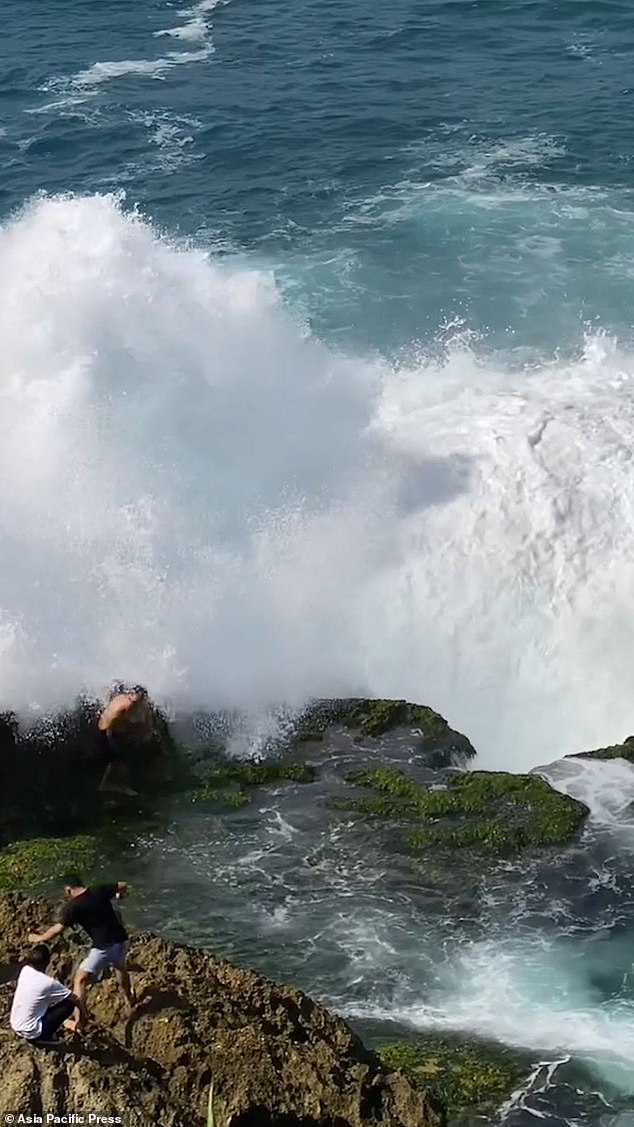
(399, 166)
(317, 379)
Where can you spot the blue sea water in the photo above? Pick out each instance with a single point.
(398, 165)
(317, 376)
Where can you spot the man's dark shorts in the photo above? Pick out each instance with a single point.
(112, 747)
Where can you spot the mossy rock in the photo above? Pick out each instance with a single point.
(230, 783)
(615, 751)
(234, 797)
(369, 717)
(471, 1078)
(36, 861)
(492, 812)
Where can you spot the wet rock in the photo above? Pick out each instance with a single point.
(25, 864)
(489, 812)
(472, 1077)
(430, 734)
(51, 771)
(231, 782)
(614, 751)
(276, 1058)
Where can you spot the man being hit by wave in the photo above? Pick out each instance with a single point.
(92, 910)
(124, 720)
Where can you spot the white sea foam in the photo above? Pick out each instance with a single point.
(197, 25)
(524, 995)
(194, 31)
(200, 495)
(151, 68)
(606, 788)
(173, 135)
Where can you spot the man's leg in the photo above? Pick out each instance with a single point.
(103, 785)
(116, 780)
(54, 1017)
(119, 955)
(125, 986)
(83, 977)
(115, 777)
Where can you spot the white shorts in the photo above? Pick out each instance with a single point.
(97, 961)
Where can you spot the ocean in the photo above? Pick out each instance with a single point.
(316, 379)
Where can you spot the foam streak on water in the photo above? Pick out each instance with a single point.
(200, 495)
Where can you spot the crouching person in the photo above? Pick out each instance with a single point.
(41, 1004)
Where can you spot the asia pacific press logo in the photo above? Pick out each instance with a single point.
(73, 1119)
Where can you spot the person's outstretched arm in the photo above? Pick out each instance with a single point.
(51, 933)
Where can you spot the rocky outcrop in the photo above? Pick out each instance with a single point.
(489, 812)
(473, 1077)
(51, 771)
(276, 1058)
(614, 751)
(429, 733)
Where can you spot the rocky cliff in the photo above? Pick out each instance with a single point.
(276, 1058)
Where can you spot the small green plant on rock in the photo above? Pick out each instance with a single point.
(211, 1114)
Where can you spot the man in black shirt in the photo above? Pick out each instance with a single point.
(91, 909)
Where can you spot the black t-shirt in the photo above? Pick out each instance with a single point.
(93, 911)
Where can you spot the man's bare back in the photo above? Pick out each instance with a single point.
(124, 713)
(124, 709)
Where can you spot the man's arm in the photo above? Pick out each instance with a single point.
(51, 933)
(116, 888)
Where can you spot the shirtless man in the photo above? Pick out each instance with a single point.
(125, 711)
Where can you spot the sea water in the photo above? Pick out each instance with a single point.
(316, 377)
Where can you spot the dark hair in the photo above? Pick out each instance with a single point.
(72, 880)
(38, 957)
(140, 689)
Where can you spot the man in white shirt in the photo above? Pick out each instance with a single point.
(40, 1003)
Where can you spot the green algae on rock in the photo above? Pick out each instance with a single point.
(227, 784)
(52, 770)
(491, 811)
(221, 795)
(614, 751)
(373, 718)
(35, 861)
(471, 1077)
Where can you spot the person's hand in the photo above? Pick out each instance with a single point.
(33, 937)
